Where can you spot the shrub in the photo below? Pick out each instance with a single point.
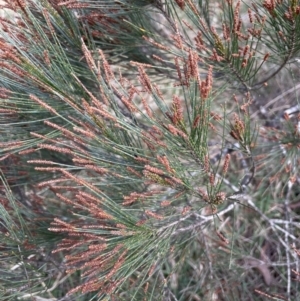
(150, 150)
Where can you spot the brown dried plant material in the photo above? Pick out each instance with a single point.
(147, 108)
(236, 18)
(226, 32)
(200, 42)
(271, 296)
(133, 197)
(117, 265)
(250, 15)
(238, 128)
(206, 164)
(158, 91)
(164, 160)
(223, 238)
(174, 181)
(129, 105)
(193, 8)
(133, 171)
(176, 132)
(67, 133)
(80, 181)
(154, 215)
(177, 109)
(270, 5)
(47, 58)
(144, 79)
(107, 69)
(215, 56)
(94, 261)
(151, 140)
(155, 178)
(180, 3)
(165, 203)
(48, 21)
(196, 121)
(266, 56)
(216, 116)
(206, 85)
(11, 144)
(186, 210)
(43, 104)
(158, 45)
(192, 65)
(297, 274)
(226, 164)
(177, 38)
(219, 198)
(212, 179)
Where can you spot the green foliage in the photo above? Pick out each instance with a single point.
(148, 151)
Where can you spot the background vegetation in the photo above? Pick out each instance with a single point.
(150, 150)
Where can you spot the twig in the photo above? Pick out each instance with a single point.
(287, 228)
(202, 222)
(285, 61)
(166, 288)
(274, 100)
(272, 224)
